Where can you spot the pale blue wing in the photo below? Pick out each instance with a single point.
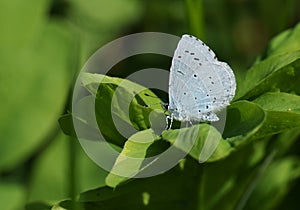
(199, 84)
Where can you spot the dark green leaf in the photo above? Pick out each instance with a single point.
(282, 102)
(282, 113)
(243, 120)
(176, 189)
(274, 74)
(274, 184)
(66, 124)
(287, 41)
(38, 206)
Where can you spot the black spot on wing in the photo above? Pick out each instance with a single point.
(180, 72)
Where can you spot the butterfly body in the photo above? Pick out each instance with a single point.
(199, 84)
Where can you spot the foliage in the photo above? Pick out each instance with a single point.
(44, 43)
(265, 106)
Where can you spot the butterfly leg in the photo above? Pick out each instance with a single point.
(171, 121)
(167, 122)
(189, 123)
(169, 126)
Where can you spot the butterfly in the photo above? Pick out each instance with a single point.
(199, 84)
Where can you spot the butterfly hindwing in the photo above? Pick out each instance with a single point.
(199, 84)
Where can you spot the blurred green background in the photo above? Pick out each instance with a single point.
(44, 44)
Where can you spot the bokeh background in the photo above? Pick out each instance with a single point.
(43, 46)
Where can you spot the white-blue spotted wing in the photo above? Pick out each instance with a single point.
(199, 84)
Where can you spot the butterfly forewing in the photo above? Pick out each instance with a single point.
(199, 83)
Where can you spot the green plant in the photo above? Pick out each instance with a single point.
(251, 164)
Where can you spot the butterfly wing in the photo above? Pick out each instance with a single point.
(199, 84)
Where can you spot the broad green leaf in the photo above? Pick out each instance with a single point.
(17, 35)
(282, 113)
(66, 124)
(91, 82)
(269, 114)
(176, 189)
(203, 142)
(282, 102)
(244, 119)
(38, 78)
(117, 107)
(287, 41)
(50, 179)
(274, 74)
(12, 195)
(130, 160)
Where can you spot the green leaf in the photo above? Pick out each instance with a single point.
(130, 160)
(203, 142)
(274, 74)
(228, 179)
(244, 119)
(285, 142)
(282, 113)
(49, 180)
(66, 124)
(269, 114)
(123, 103)
(275, 184)
(287, 41)
(91, 82)
(16, 35)
(283, 102)
(34, 87)
(38, 206)
(176, 189)
(12, 195)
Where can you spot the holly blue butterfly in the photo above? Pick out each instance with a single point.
(199, 84)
